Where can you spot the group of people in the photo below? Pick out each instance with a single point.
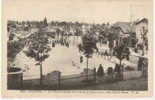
(62, 42)
(104, 54)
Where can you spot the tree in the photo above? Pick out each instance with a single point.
(38, 48)
(45, 22)
(14, 47)
(144, 38)
(88, 46)
(113, 35)
(120, 52)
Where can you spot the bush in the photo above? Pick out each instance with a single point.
(100, 71)
(110, 70)
(117, 68)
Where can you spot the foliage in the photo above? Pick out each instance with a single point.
(14, 47)
(117, 68)
(120, 52)
(100, 71)
(45, 22)
(110, 71)
(88, 44)
(38, 46)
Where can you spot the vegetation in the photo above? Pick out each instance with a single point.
(120, 52)
(110, 71)
(117, 68)
(88, 46)
(100, 71)
(14, 47)
(38, 48)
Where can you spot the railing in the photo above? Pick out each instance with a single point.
(56, 81)
(55, 78)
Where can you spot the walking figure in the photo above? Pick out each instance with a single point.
(106, 54)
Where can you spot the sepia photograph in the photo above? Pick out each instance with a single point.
(68, 45)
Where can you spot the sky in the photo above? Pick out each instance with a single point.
(94, 11)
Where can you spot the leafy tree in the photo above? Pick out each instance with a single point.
(45, 22)
(14, 47)
(38, 48)
(120, 52)
(88, 46)
(113, 35)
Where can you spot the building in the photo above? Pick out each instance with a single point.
(141, 29)
(122, 30)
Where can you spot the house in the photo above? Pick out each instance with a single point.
(122, 30)
(141, 29)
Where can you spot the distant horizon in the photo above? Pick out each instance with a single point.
(82, 11)
(49, 21)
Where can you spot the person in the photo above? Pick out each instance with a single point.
(53, 44)
(67, 44)
(106, 54)
(102, 54)
(81, 59)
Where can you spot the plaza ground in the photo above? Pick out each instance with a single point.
(67, 61)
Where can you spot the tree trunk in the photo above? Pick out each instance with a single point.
(121, 70)
(120, 62)
(87, 68)
(41, 74)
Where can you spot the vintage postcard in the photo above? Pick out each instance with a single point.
(77, 48)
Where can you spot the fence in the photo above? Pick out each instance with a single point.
(131, 74)
(56, 79)
(77, 80)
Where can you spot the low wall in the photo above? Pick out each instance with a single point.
(15, 80)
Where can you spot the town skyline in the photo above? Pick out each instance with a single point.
(89, 12)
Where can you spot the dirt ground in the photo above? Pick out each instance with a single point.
(139, 84)
(133, 84)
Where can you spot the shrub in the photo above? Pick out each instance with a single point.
(117, 68)
(100, 71)
(110, 70)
